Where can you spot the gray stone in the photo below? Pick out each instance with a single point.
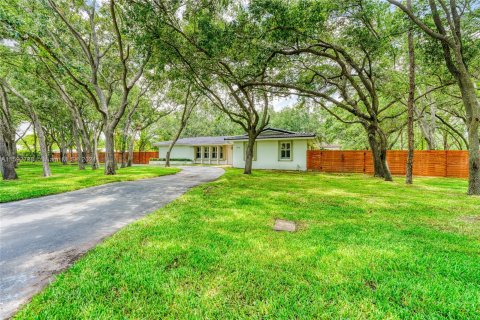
(285, 225)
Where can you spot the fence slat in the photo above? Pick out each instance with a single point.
(142, 157)
(435, 163)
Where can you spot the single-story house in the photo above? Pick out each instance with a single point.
(274, 149)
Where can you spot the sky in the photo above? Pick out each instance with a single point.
(281, 102)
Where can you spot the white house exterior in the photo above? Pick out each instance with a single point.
(274, 149)
(200, 150)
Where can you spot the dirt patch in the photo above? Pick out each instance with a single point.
(470, 219)
(209, 189)
(285, 225)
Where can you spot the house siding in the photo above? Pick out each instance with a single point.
(188, 152)
(178, 152)
(268, 155)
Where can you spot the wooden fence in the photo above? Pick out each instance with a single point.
(436, 163)
(141, 157)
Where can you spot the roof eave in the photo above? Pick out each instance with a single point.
(275, 138)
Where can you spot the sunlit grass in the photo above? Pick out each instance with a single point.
(32, 184)
(365, 249)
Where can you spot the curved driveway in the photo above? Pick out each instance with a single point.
(40, 237)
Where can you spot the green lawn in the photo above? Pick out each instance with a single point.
(366, 249)
(32, 184)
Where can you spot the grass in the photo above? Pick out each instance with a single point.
(366, 249)
(32, 184)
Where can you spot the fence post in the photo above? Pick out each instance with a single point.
(364, 162)
(321, 160)
(446, 163)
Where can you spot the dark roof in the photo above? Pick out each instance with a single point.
(196, 141)
(273, 133)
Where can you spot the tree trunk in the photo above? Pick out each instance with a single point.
(131, 145)
(7, 158)
(123, 147)
(8, 143)
(472, 107)
(43, 145)
(94, 150)
(63, 155)
(410, 103)
(167, 156)
(249, 153)
(15, 154)
(110, 164)
(378, 146)
(63, 149)
(474, 159)
(78, 146)
(35, 152)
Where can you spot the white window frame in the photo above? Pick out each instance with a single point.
(206, 152)
(280, 150)
(198, 152)
(214, 152)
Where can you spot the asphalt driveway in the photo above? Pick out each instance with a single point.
(40, 237)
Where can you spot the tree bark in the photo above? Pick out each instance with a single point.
(35, 151)
(131, 145)
(7, 155)
(474, 161)
(94, 150)
(8, 148)
(62, 145)
(378, 146)
(249, 153)
(63, 155)
(110, 163)
(7, 162)
(410, 103)
(472, 107)
(79, 147)
(124, 144)
(43, 145)
(175, 139)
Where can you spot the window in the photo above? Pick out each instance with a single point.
(206, 152)
(214, 152)
(285, 148)
(245, 144)
(221, 152)
(198, 152)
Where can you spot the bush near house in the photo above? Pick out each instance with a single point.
(365, 249)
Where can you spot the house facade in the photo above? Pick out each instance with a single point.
(274, 149)
(199, 150)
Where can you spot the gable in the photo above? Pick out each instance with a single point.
(276, 132)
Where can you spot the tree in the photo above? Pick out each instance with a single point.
(189, 104)
(7, 139)
(200, 41)
(100, 60)
(410, 103)
(30, 111)
(340, 57)
(449, 21)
